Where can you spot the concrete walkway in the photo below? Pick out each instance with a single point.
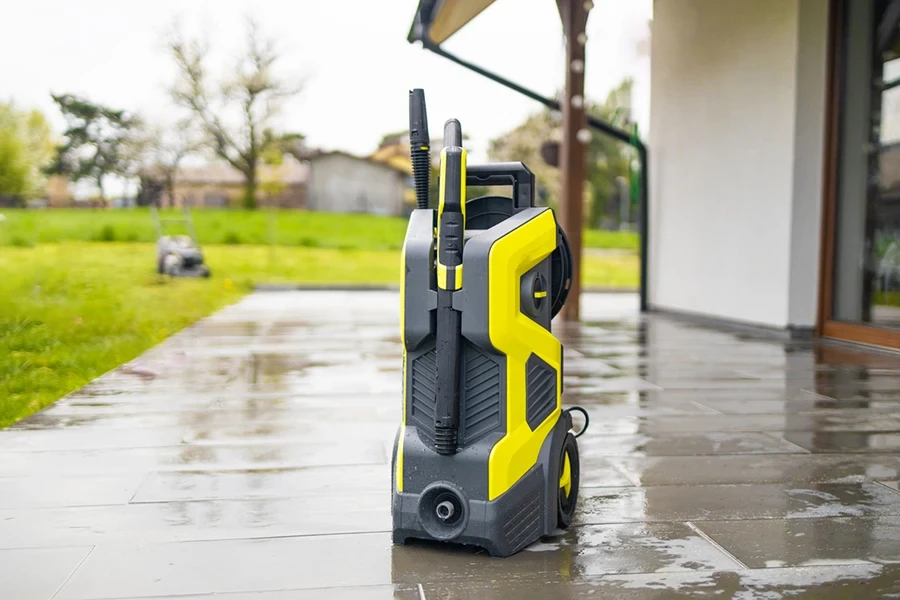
(248, 457)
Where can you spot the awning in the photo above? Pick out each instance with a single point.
(437, 20)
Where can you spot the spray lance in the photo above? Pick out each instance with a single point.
(419, 146)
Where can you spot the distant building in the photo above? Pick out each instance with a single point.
(58, 191)
(394, 152)
(344, 183)
(220, 185)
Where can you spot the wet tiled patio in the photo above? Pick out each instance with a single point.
(247, 457)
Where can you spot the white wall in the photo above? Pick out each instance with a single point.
(724, 167)
(809, 149)
(341, 183)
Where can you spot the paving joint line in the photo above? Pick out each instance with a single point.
(716, 544)
(72, 574)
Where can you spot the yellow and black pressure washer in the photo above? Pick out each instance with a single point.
(485, 455)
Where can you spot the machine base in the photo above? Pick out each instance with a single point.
(527, 511)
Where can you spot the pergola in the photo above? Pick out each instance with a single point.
(436, 21)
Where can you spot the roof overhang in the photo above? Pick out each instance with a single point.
(437, 20)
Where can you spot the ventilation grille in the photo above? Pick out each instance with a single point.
(540, 391)
(482, 395)
(424, 375)
(524, 523)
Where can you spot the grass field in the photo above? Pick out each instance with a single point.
(71, 311)
(289, 228)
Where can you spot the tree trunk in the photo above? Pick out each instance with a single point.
(170, 189)
(250, 188)
(100, 187)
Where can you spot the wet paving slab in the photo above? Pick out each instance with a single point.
(166, 522)
(741, 501)
(38, 572)
(248, 457)
(684, 444)
(189, 457)
(736, 469)
(808, 542)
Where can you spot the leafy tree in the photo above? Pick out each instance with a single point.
(26, 148)
(237, 114)
(607, 158)
(272, 179)
(97, 141)
(290, 143)
(524, 144)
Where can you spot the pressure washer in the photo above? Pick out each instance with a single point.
(485, 455)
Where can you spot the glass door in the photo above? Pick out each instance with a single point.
(865, 278)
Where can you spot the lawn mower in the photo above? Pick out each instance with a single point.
(178, 255)
(485, 455)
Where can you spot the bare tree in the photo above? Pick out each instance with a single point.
(237, 114)
(162, 150)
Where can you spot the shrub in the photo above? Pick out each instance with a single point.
(232, 238)
(107, 234)
(21, 242)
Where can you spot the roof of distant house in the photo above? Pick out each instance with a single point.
(290, 172)
(367, 159)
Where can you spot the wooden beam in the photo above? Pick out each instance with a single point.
(573, 151)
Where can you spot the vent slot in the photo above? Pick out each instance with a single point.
(422, 395)
(540, 391)
(481, 385)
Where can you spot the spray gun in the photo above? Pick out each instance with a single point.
(450, 234)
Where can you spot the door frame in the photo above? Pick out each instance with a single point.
(826, 325)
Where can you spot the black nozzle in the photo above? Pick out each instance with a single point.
(419, 146)
(452, 133)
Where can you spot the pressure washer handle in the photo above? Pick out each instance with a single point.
(507, 173)
(451, 209)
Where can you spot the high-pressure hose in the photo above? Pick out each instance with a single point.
(419, 146)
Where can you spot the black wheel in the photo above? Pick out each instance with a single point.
(394, 462)
(569, 477)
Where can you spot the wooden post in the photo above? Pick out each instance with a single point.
(572, 164)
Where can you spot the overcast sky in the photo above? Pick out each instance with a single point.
(355, 53)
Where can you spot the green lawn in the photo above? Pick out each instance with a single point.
(290, 228)
(611, 240)
(69, 312)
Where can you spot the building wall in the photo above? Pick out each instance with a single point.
(211, 195)
(58, 191)
(737, 102)
(809, 148)
(345, 184)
